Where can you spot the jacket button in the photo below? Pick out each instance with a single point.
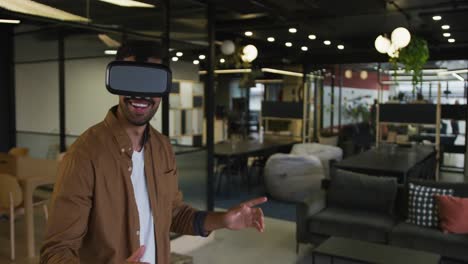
(138, 232)
(129, 168)
(123, 150)
(129, 149)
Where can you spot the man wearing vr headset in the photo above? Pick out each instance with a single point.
(116, 199)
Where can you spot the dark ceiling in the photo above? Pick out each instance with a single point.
(354, 24)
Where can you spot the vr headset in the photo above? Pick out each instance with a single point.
(139, 79)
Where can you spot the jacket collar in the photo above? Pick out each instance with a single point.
(119, 133)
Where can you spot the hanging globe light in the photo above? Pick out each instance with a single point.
(393, 51)
(250, 53)
(401, 37)
(228, 47)
(382, 44)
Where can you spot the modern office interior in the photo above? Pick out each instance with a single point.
(350, 116)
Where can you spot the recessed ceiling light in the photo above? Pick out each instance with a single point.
(340, 47)
(179, 54)
(128, 3)
(248, 33)
(312, 36)
(327, 42)
(292, 30)
(196, 62)
(222, 60)
(304, 48)
(445, 27)
(451, 40)
(436, 18)
(175, 58)
(271, 39)
(202, 57)
(10, 21)
(446, 34)
(288, 44)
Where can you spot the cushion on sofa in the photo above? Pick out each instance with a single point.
(362, 225)
(362, 192)
(429, 239)
(422, 208)
(453, 214)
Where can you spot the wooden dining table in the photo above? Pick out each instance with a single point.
(31, 173)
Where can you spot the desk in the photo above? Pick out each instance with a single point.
(31, 173)
(400, 162)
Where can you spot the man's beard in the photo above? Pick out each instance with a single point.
(134, 118)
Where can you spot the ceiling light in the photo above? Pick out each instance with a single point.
(288, 44)
(304, 48)
(340, 47)
(248, 33)
(445, 27)
(271, 39)
(451, 40)
(447, 72)
(382, 44)
(37, 9)
(222, 60)
(348, 74)
(290, 73)
(128, 3)
(364, 75)
(436, 18)
(249, 53)
(393, 51)
(456, 75)
(10, 21)
(228, 71)
(179, 54)
(292, 30)
(327, 42)
(446, 34)
(401, 37)
(202, 57)
(228, 47)
(110, 52)
(175, 58)
(110, 42)
(196, 62)
(312, 36)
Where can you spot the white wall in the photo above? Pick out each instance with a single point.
(86, 97)
(36, 93)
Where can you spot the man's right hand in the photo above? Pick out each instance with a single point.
(136, 256)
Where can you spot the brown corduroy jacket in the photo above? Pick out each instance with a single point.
(94, 216)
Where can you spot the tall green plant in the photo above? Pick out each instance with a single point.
(413, 57)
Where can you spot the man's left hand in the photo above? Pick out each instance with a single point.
(246, 215)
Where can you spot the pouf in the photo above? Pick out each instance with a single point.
(323, 152)
(292, 177)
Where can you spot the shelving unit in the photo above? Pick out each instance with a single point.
(300, 115)
(186, 113)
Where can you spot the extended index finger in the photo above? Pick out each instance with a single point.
(256, 201)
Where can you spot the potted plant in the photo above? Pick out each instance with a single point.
(413, 57)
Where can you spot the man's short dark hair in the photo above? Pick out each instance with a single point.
(141, 49)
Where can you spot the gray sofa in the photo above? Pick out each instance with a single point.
(374, 209)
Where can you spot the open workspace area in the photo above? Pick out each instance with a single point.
(318, 131)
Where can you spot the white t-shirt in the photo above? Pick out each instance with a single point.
(144, 208)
